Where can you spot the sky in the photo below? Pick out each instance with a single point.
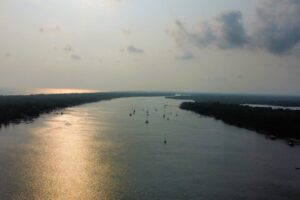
(216, 46)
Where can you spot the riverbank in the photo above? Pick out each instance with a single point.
(15, 109)
(277, 123)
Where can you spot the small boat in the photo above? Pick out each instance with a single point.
(165, 140)
(147, 120)
(272, 137)
(291, 143)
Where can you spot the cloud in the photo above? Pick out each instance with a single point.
(240, 76)
(126, 31)
(134, 50)
(75, 57)
(186, 55)
(276, 30)
(226, 31)
(68, 48)
(232, 32)
(50, 29)
(7, 54)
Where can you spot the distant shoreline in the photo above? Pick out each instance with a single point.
(272, 100)
(277, 123)
(19, 108)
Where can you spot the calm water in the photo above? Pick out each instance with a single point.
(96, 151)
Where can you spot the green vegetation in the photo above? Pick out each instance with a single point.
(281, 123)
(26, 107)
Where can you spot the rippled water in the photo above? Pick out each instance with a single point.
(97, 151)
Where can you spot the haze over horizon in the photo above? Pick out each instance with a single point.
(220, 46)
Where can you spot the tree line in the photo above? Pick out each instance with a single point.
(283, 123)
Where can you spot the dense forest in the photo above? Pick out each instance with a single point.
(282, 123)
(26, 107)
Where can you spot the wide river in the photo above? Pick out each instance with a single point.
(97, 151)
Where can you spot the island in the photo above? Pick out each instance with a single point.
(276, 123)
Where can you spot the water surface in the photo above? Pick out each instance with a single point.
(97, 151)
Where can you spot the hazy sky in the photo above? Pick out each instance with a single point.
(228, 46)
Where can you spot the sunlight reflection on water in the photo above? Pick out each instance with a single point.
(62, 163)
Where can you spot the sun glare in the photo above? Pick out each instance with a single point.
(61, 90)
